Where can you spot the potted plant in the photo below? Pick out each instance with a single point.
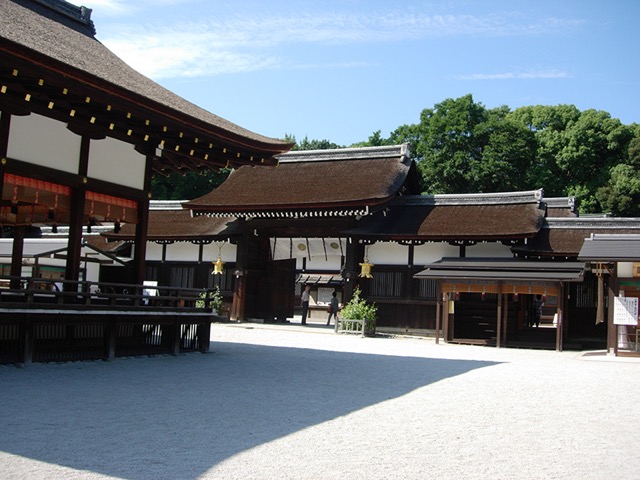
(358, 309)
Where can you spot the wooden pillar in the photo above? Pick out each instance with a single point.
(5, 123)
(140, 252)
(439, 300)
(111, 335)
(27, 340)
(204, 336)
(499, 319)
(74, 247)
(505, 318)
(351, 270)
(559, 313)
(237, 311)
(76, 220)
(612, 329)
(16, 255)
(445, 318)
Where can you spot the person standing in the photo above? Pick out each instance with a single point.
(304, 302)
(333, 308)
(538, 303)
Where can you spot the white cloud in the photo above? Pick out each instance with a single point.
(531, 75)
(248, 42)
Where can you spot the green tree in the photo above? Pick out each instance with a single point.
(375, 140)
(461, 147)
(575, 150)
(306, 144)
(188, 186)
(621, 196)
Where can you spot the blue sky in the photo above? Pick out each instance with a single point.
(341, 70)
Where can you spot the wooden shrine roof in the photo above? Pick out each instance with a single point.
(565, 237)
(560, 207)
(317, 183)
(52, 64)
(470, 217)
(603, 247)
(170, 224)
(503, 269)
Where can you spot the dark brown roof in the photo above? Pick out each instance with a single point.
(560, 207)
(100, 243)
(566, 237)
(323, 181)
(41, 42)
(475, 217)
(179, 226)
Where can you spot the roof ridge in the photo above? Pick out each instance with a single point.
(592, 222)
(499, 198)
(166, 204)
(80, 14)
(351, 153)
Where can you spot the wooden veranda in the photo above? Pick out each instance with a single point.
(92, 320)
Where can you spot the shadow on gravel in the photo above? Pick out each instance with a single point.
(176, 417)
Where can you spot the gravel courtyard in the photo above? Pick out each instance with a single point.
(293, 402)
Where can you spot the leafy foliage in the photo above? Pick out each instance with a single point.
(359, 309)
(462, 147)
(306, 144)
(211, 299)
(188, 186)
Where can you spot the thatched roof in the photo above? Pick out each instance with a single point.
(565, 237)
(48, 46)
(469, 217)
(178, 226)
(344, 182)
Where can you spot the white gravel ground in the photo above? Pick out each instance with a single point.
(289, 402)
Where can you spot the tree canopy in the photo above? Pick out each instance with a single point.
(460, 146)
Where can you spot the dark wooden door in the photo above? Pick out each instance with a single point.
(282, 277)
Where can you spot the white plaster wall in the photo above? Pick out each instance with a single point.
(188, 252)
(117, 162)
(42, 141)
(432, 252)
(34, 246)
(330, 264)
(387, 253)
(625, 269)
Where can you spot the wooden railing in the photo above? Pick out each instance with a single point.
(91, 320)
(30, 292)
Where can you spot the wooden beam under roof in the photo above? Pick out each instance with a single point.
(98, 113)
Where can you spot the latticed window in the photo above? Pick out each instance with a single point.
(182, 277)
(427, 288)
(586, 293)
(386, 284)
(224, 281)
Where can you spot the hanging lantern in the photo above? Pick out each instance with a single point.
(365, 269)
(218, 265)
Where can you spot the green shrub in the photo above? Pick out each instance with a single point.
(359, 309)
(211, 299)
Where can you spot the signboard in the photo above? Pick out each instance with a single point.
(625, 311)
(324, 295)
